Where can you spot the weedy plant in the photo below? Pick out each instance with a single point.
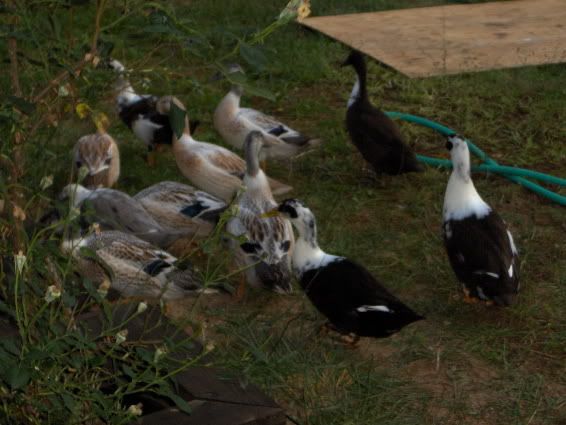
(52, 369)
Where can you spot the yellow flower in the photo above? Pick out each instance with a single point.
(82, 110)
(103, 288)
(303, 11)
(101, 121)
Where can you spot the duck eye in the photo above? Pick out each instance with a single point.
(449, 145)
(108, 161)
(78, 164)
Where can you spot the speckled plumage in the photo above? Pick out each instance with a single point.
(116, 210)
(133, 266)
(268, 242)
(180, 207)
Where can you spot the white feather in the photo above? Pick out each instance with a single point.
(366, 308)
(355, 93)
(144, 129)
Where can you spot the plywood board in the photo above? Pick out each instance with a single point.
(453, 39)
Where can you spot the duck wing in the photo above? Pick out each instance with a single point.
(483, 255)
(354, 301)
(379, 140)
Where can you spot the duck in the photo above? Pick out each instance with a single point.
(234, 123)
(211, 168)
(372, 132)
(139, 112)
(100, 156)
(355, 303)
(480, 247)
(180, 207)
(116, 210)
(265, 253)
(132, 266)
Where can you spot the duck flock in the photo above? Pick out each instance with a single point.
(132, 236)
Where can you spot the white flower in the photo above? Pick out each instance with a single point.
(20, 261)
(159, 352)
(142, 307)
(121, 336)
(46, 181)
(135, 409)
(103, 288)
(63, 91)
(52, 293)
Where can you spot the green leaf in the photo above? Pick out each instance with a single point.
(180, 402)
(68, 401)
(177, 119)
(253, 56)
(18, 377)
(240, 79)
(23, 105)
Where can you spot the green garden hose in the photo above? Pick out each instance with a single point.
(515, 174)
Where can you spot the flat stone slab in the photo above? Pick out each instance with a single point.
(441, 40)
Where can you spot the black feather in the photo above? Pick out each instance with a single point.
(339, 288)
(155, 267)
(373, 133)
(479, 245)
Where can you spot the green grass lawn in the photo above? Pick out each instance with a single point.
(466, 364)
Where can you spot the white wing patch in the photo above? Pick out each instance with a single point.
(366, 308)
(355, 93)
(144, 129)
(510, 271)
(512, 243)
(447, 230)
(495, 275)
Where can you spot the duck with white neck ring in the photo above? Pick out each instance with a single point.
(265, 254)
(353, 301)
(372, 132)
(234, 123)
(480, 247)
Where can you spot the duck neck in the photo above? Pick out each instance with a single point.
(462, 199)
(252, 158)
(360, 86)
(306, 254)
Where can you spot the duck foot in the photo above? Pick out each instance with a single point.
(351, 340)
(468, 299)
(240, 290)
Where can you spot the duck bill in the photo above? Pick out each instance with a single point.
(271, 213)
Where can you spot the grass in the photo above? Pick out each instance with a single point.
(464, 364)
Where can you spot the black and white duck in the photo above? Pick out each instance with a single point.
(352, 300)
(140, 113)
(480, 247)
(373, 133)
(266, 250)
